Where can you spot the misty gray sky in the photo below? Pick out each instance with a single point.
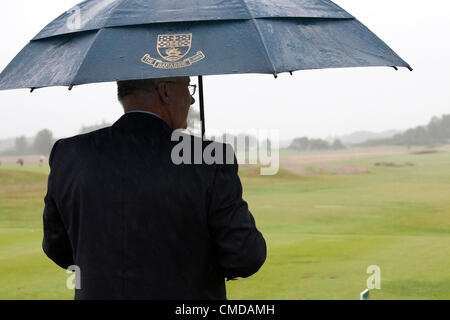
(316, 103)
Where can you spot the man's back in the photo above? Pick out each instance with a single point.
(139, 226)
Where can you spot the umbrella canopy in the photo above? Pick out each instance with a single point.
(137, 39)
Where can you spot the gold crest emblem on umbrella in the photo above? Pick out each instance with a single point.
(172, 48)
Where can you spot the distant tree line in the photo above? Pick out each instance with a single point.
(306, 144)
(193, 119)
(42, 144)
(436, 132)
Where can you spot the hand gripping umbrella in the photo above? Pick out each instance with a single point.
(112, 40)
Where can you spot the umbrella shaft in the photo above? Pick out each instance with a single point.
(202, 106)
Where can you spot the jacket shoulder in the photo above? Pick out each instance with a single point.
(81, 139)
(86, 136)
(73, 145)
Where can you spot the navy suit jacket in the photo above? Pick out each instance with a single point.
(139, 226)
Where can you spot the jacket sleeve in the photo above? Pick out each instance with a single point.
(56, 243)
(241, 247)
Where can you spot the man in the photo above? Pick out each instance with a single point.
(135, 224)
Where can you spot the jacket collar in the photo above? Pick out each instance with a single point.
(143, 122)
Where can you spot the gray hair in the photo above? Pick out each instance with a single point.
(128, 87)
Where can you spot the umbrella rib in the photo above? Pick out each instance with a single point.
(84, 59)
(260, 37)
(119, 3)
(265, 46)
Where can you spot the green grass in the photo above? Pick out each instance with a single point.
(25, 271)
(322, 232)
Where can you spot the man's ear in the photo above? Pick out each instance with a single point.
(162, 92)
